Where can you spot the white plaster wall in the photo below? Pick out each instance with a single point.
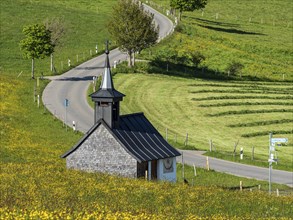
(171, 177)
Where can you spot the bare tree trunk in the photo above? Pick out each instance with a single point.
(52, 62)
(180, 14)
(133, 58)
(129, 59)
(33, 69)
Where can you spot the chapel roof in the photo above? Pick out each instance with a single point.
(137, 136)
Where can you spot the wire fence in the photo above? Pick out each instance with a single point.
(259, 19)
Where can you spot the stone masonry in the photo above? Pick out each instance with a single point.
(103, 153)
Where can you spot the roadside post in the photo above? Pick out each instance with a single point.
(241, 153)
(66, 104)
(73, 126)
(272, 144)
(94, 83)
(38, 101)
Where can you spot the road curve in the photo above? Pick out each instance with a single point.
(278, 176)
(73, 85)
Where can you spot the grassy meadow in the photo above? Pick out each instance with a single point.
(224, 112)
(256, 34)
(35, 183)
(85, 27)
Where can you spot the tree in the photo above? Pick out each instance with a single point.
(37, 43)
(132, 28)
(57, 28)
(187, 5)
(234, 68)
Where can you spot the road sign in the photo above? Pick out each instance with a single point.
(279, 140)
(66, 102)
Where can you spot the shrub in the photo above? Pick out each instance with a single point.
(234, 68)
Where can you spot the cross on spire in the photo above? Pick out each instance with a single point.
(107, 82)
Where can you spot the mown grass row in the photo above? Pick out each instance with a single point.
(241, 112)
(261, 123)
(223, 104)
(255, 134)
(242, 97)
(247, 84)
(241, 91)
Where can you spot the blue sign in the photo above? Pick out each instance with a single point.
(279, 140)
(66, 102)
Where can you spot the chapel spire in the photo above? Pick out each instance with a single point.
(107, 98)
(107, 82)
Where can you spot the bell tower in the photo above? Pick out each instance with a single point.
(107, 98)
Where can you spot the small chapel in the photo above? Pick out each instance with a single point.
(124, 145)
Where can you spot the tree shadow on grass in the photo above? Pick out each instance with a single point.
(222, 26)
(171, 69)
(229, 30)
(225, 24)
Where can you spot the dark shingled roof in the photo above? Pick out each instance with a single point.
(107, 93)
(138, 136)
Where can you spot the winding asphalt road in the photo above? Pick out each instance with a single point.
(73, 85)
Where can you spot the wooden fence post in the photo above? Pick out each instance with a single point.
(240, 185)
(211, 145)
(208, 165)
(235, 145)
(183, 167)
(194, 170)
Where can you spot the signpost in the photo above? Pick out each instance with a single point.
(279, 141)
(272, 143)
(66, 104)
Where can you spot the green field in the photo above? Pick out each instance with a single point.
(35, 183)
(256, 34)
(84, 23)
(224, 112)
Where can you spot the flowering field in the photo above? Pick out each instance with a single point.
(40, 189)
(35, 183)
